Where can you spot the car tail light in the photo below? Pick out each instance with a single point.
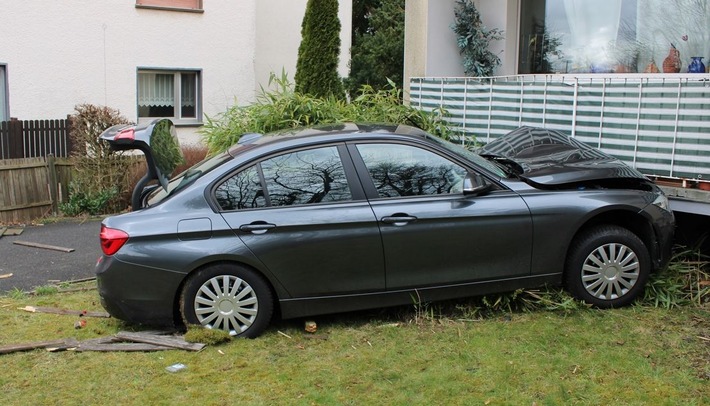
(127, 134)
(112, 239)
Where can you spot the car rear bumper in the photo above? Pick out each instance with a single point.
(138, 294)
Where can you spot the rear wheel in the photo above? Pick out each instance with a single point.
(228, 297)
(608, 266)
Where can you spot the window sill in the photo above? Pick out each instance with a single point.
(166, 8)
(176, 122)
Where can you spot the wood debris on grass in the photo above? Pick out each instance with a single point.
(121, 341)
(54, 310)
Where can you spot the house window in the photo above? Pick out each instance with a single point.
(170, 94)
(611, 36)
(4, 107)
(174, 5)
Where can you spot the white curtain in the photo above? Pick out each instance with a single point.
(187, 93)
(156, 89)
(593, 26)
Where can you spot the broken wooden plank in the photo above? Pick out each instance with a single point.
(54, 310)
(172, 342)
(2, 231)
(43, 246)
(68, 344)
(9, 231)
(6, 349)
(119, 347)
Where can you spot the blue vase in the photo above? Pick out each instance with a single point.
(696, 65)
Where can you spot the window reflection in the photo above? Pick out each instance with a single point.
(305, 177)
(241, 191)
(402, 170)
(611, 36)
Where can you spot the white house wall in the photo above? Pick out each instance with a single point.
(63, 53)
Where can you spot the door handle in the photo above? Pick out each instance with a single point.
(257, 228)
(398, 220)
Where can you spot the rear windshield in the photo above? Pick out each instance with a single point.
(187, 177)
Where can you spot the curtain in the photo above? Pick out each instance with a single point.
(156, 89)
(593, 26)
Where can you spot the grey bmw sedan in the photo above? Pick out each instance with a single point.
(354, 216)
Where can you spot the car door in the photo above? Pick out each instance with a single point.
(307, 223)
(432, 233)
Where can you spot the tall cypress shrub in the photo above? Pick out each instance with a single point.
(317, 65)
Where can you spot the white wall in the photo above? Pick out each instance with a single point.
(63, 53)
(278, 36)
(430, 43)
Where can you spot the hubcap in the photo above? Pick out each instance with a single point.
(610, 271)
(226, 302)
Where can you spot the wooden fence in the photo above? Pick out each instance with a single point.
(32, 187)
(35, 138)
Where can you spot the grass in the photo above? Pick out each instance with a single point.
(425, 354)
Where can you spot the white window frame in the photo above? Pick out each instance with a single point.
(4, 94)
(177, 119)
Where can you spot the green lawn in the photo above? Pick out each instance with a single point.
(637, 355)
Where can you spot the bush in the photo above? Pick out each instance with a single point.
(284, 108)
(100, 176)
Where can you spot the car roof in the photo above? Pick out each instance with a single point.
(326, 132)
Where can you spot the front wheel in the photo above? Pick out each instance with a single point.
(228, 297)
(608, 266)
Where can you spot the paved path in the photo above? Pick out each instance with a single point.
(33, 267)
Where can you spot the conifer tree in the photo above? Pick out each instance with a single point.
(317, 65)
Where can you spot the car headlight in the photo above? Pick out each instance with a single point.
(662, 202)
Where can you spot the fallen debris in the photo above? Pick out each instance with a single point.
(54, 310)
(121, 341)
(6, 349)
(311, 326)
(172, 342)
(43, 246)
(5, 276)
(10, 231)
(2, 231)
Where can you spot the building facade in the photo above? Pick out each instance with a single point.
(180, 59)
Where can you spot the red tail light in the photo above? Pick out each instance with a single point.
(112, 239)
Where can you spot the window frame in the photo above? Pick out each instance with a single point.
(191, 6)
(177, 119)
(4, 94)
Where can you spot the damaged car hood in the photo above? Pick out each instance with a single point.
(549, 157)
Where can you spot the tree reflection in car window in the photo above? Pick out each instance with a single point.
(241, 191)
(305, 177)
(402, 170)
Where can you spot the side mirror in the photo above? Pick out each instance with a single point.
(475, 184)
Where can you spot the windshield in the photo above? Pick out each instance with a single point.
(471, 156)
(187, 177)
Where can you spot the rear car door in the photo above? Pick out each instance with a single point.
(308, 222)
(433, 234)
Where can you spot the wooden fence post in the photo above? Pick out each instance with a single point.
(52, 168)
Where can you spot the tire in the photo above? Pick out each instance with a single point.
(228, 297)
(607, 266)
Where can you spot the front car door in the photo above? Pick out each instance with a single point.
(433, 234)
(307, 222)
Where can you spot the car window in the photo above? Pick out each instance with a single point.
(241, 191)
(403, 170)
(305, 177)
